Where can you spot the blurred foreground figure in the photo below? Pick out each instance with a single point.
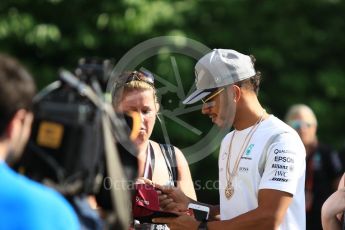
(24, 204)
(324, 167)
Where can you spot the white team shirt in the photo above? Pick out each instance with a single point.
(281, 167)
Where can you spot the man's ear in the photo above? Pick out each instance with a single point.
(16, 120)
(9, 130)
(237, 93)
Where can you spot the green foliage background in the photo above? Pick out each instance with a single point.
(299, 46)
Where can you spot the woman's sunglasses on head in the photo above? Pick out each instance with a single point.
(144, 76)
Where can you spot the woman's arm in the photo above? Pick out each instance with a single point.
(333, 206)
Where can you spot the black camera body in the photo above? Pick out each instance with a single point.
(66, 148)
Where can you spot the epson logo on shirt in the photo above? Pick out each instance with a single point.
(284, 159)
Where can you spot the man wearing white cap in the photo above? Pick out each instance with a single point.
(261, 162)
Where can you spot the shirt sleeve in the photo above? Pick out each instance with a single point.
(285, 164)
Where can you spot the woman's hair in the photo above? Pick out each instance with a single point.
(130, 81)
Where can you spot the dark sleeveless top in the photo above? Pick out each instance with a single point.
(168, 152)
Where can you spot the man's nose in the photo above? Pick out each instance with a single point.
(206, 107)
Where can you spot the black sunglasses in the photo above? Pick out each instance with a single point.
(212, 95)
(142, 75)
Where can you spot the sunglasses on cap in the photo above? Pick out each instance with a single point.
(212, 95)
(298, 124)
(143, 75)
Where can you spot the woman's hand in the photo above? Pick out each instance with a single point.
(333, 207)
(143, 180)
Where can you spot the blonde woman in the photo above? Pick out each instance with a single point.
(160, 163)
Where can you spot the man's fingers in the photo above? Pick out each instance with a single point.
(158, 186)
(161, 196)
(165, 202)
(164, 189)
(171, 206)
(179, 213)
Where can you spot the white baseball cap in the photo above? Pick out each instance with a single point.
(219, 68)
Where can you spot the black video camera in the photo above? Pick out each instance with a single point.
(67, 148)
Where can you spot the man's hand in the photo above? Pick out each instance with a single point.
(172, 199)
(182, 222)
